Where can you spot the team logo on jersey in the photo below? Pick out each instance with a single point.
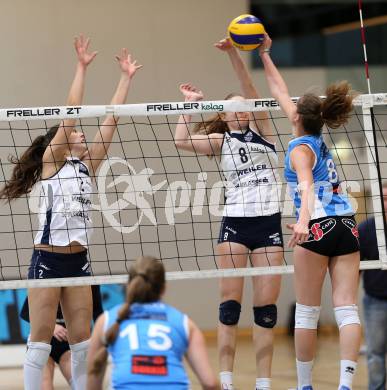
(149, 365)
(83, 169)
(319, 229)
(248, 136)
(351, 225)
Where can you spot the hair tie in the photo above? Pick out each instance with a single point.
(143, 275)
(119, 320)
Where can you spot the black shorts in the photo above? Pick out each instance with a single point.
(58, 348)
(252, 232)
(333, 236)
(47, 265)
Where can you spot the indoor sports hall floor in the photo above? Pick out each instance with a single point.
(326, 370)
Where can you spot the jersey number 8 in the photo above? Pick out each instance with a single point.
(332, 173)
(242, 153)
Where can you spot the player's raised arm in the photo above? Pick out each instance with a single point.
(59, 145)
(103, 138)
(208, 144)
(276, 83)
(261, 120)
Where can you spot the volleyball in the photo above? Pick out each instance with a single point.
(246, 32)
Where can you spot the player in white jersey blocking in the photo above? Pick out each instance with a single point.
(61, 162)
(325, 236)
(251, 226)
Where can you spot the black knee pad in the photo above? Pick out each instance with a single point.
(229, 312)
(265, 316)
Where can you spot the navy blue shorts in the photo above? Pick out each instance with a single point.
(252, 232)
(47, 265)
(332, 236)
(58, 348)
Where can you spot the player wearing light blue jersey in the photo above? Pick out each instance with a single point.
(325, 236)
(328, 201)
(147, 339)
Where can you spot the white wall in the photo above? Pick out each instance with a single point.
(172, 39)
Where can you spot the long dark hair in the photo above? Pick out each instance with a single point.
(28, 168)
(333, 111)
(146, 284)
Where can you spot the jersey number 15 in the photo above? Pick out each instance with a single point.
(158, 337)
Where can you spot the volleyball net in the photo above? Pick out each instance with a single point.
(150, 198)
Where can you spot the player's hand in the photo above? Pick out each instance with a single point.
(126, 64)
(60, 332)
(81, 45)
(191, 93)
(266, 44)
(300, 233)
(225, 45)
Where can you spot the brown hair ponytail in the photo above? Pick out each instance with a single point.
(333, 111)
(338, 104)
(146, 284)
(28, 168)
(214, 124)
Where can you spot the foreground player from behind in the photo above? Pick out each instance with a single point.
(325, 236)
(251, 226)
(61, 162)
(147, 339)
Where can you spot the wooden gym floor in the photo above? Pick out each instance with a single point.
(325, 374)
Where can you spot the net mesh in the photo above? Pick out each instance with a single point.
(150, 198)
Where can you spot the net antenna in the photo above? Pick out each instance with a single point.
(376, 184)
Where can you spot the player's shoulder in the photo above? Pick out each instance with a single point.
(312, 140)
(172, 310)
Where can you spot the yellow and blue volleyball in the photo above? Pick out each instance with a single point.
(246, 32)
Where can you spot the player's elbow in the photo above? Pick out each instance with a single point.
(213, 385)
(180, 143)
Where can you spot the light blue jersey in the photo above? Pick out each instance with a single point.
(149, 349)
(328, 199)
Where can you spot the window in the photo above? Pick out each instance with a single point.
(317, 33)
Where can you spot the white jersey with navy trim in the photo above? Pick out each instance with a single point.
(329, 201)
(64, 206)
(249, 164)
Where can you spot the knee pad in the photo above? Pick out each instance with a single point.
(79, 351)
(37, 354)
(265, 316)
(306, 316)
(229, 312)
(347, 315)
